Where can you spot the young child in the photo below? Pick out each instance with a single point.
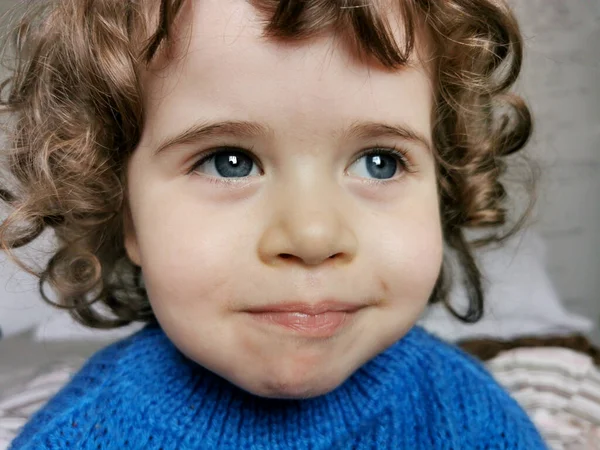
(284, 176)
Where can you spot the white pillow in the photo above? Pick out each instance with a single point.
(520, 299)
(61, 327)
(21, 306)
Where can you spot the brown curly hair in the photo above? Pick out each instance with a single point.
(74, 100)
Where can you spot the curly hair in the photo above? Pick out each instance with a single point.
(74, 98)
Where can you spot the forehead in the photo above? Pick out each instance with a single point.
(221, 62)
(223, 25)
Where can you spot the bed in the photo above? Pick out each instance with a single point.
(30, 373)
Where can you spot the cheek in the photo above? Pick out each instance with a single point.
(187, 256)
(409, 249)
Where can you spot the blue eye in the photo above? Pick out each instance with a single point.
(377, 163)
(381, 164)
(227, 163)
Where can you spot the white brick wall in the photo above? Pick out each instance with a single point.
(562, 82)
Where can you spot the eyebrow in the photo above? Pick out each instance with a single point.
(247, 130)
(372, 130)
(204, 130)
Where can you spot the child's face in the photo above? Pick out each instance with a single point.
(237, 251)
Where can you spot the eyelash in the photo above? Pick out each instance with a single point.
(206, 156)
(400, 154)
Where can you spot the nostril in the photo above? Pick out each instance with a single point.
(311, 259)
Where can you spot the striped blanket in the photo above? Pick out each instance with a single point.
(17, 405)
(560, 390)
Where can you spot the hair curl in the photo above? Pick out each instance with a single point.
(74, 98)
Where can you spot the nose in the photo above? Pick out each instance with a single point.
(309, 229)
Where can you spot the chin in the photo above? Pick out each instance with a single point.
(296, 386)
(293, 391)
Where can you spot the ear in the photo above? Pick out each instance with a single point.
(130, 238)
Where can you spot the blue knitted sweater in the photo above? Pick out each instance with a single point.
(142, 393)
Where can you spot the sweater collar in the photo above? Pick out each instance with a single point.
(181, 395)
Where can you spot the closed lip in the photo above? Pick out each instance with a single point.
(312, 309)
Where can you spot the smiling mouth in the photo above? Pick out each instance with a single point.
(321, 320)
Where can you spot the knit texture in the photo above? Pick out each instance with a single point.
(142, 393)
